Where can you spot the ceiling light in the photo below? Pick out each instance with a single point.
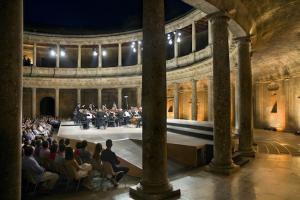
(170, 42)
(104, 53)
(134, 50)
(179, 33)
(95, 53)
(178, 40)
(140, 42)
(52, 53)
(62, 53)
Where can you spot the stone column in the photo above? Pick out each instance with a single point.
(100, 55)
(244, 85)
(175, 45)
(119, 97)
(232, 96)
(194, 100)
(79, 57)
(34, 54)
(236, 99)
(11, 43)
(210, 36)
(154, 183)
(139, 96)
(139, 54)
(120, 55)
(33, 102)
(210, 108)
(78, 96)
(57, 55)
(176, 101)
(194, 39)
(56, 102)
(222, 160)
(286, 86)
(100, 98)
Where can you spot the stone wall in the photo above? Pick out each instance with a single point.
(67, 102)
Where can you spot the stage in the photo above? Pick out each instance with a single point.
(183, 150)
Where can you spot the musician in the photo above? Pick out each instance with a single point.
(126, 116)
(101, 119)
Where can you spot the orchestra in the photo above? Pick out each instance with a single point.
(104, 117)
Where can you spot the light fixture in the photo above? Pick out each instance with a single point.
(169, 36)
(104, 53)
(140, 42)
(62, 53)
(170, 42)
(52, 53)
(134, 50)
(178, 40)
(95, 53)
(179, 33)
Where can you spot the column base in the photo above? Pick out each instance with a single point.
(137, 192)
(222, 169)
(247, 153)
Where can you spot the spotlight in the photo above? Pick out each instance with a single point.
(134, 50)
(169, 36)
(104, 53)
(170, 42)
(52, 53)
(62, 53)
(178, 40)
(140, 42)
(179, 33)
(95, 53)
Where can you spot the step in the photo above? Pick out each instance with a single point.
(191, 132)
(206, 126)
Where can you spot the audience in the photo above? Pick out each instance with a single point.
(109, 156)
(84, 154)
(32, 168)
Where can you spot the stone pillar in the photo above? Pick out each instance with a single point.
(139, 54)
(100, 55)
(120, 55)
(34, 54)
(232, 96)
(33, 103)
(119, 97)
(175, 45)
(78, 96)
(11, 43)
(139, 96)
(210, 36)
(194, 38)
(176, 101)
(79, 57)
(236, 102)
(100, 98)
(222, 160)
(210, 108)
(194, 100)
(244, 85)
(57, 55)
(56, 102)
(286, 86)
(154, 183)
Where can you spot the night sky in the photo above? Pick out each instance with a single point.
(103, 16)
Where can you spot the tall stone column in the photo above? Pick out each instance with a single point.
(244, 85)
(194, 36)
(210, 107)
(222, 160)
(120, 55)
(236, 99)
(119, 97)
(233, 103)
(56, 102)
(33, 102)
(11, 34)
(139, 54)
(79, 57)
(286, 86)
(154, 183)
(100, 55)
(34, 54)
(194, 100)
(176, 101)
(100, 98)
(78, 96)
(210, 36)
(175, 45)
(139, 96)
(57, 55)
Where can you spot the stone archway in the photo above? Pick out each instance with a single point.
(47, 106)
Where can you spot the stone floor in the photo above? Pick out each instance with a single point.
(268, 176)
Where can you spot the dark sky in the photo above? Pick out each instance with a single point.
(104, 16)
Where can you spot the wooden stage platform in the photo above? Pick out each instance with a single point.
(183, 150)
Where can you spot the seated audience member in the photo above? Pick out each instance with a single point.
(109, 156)
(38, 173)
(67, 142)
(77, 171)
(61, 142)
(45, 152)
(53, 151)
(38, 147)
(84, 154)
(96, 161)
(60, 156)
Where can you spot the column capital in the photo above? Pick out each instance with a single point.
(218, 17)
(244, 39)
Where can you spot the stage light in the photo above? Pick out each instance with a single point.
(134, 50)
(62, 53)
(170, 42)
(52, 53)
(179, 33)
(140, 42)
(169, 36)
(178, 40)
(95, 53)
(104, 53)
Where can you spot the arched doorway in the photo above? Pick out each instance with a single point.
(47, 106)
